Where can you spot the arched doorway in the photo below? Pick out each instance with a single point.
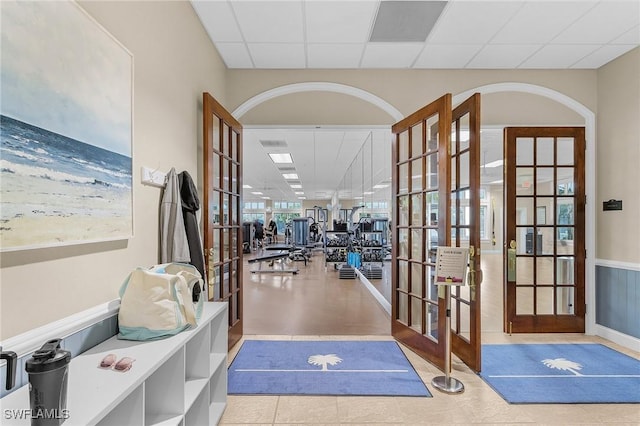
(508, 87)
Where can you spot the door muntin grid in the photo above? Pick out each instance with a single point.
(546, 205)
(417, 213)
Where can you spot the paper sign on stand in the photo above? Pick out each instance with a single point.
(451, 265)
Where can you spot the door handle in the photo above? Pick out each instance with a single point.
(211, 275)
(511, 261)
(472, 279)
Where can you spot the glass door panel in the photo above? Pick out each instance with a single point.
(545, 212)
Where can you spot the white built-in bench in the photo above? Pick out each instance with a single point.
(181, 380)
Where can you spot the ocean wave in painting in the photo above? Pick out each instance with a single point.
(57, 189)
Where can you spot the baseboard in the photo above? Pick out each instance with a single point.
(617, 337)
(374, 291)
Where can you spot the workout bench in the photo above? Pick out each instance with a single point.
(271, 258)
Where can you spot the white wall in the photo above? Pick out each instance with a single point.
(618, 156)
(174, 63)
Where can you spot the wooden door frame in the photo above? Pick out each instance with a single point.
(547, 323)
(470, 352)
(434, 351)
(212, 108)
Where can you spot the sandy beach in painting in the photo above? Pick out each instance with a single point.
(60, 212)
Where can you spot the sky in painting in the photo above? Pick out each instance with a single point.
(62, 72)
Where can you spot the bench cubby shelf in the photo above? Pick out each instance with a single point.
(179, 381)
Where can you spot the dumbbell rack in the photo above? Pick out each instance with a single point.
(336, 245)
(371, 247)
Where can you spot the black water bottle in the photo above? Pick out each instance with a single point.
(48, 369)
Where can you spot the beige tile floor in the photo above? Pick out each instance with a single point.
(478, 404)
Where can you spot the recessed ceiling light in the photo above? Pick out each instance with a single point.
(245, 186)
(302, 198)
(380, 186)
(368, 192)
(266, 198)
(257, 193)
(299, 192)
(290, 175)
(496, 181)
(296, 186)
(281, 158)
(357, 198)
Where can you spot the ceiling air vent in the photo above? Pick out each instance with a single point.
(405, 21)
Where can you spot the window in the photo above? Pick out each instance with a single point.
(287, 205)
(252, 217)
(254, 205)
(282, 219)
(376, 205)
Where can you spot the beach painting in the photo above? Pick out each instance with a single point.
(65, 128)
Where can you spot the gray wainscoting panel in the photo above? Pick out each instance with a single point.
(618, 299)
(77, 343)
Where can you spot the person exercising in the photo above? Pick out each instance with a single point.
(259, 233)
(313, 230)
(272, 231)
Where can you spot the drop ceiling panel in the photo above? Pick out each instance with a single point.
(390, 55)
(602, 56)
(339, 21)
(235, 55)
(562, 54)
(270, 21)
(277, 55)
(334, 55)
(446, 56)
(596, 25)
(465, 22)
(540, 22)
(630, 37)
(502, 56)
(218, 20)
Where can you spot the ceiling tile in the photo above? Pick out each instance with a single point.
(218, 20)
(602, 56)
(270, 21)
(446, 56)
(339, 21)
(334, 55)
(559, 55)
(630, 37)
(466, 22)
(235, 55)
(277, 55)
(539, 22)
(502, 56)
(603, 23)
(390, 55)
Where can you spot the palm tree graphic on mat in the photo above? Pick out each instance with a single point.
(324, 360)
(563, 364)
